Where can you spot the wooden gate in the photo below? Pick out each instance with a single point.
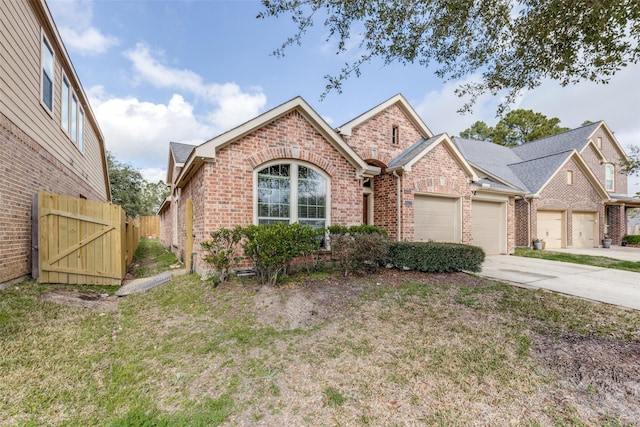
(81, 241)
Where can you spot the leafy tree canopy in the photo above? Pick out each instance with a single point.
(515, 128)
(131, 191)
(514, 44)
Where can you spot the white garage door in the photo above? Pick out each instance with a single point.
(437, 219)
(550, 228)
(488, 226)
(584, 229)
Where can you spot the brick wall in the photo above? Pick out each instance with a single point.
(222, 191)
(437, 172)
(27, 168)
(579, 197)
(521, 212)
(385, 212)
(372, 139)
(612, 155)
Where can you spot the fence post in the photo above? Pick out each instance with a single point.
(189, 238)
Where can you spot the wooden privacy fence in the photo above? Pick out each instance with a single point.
(79, 241)
(149, 226)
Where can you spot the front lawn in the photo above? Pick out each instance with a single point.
(395, 348)
(597, 261)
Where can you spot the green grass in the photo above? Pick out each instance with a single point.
(596, 261)
(187, 354)
(151, 258)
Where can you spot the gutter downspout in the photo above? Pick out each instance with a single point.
(399, 204)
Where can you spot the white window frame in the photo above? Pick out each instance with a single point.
(71, 114)
(80, 141)
(65, 109)
(569, 177)
(609, 169)
(45, 44)
(293, 172)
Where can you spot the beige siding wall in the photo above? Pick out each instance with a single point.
(35, 152)
(20, 41)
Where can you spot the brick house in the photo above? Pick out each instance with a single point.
(49, 137)
(383, 168)
(574, 191)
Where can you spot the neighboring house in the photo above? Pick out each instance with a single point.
(49, 137)
(574, 190)
(384, 168)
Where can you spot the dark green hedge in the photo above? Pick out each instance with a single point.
(434, 257)
(631, 239)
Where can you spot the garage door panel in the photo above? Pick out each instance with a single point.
(583, 225)
(436, 218)
(488, 226)
(550, 228)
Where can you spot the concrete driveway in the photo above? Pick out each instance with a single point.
(595, 283)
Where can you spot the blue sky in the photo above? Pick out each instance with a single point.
(187, 70)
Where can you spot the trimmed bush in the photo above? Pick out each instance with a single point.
(363, 229)
(359, 248)
(631, 239)
(272, 247)
(434, 257)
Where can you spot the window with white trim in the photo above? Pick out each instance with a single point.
(64, 112)
(80, 129)
(72, 114)
(291, 192)
(46, 83)
(609, 173)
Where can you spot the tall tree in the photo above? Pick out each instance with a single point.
(514, 44)
(153, 195)
(127, 185)
(131, 191)
(521, 126)
(479, 130)
(515, 128)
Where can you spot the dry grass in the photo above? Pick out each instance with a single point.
(391, 349)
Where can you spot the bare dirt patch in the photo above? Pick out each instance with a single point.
(598, 375)
(380, 352)
(100, 302)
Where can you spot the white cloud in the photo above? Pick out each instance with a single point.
(74, 20)
(233, 105)
(139, 132)
(154, 174)
(87, 42)
(438, 109)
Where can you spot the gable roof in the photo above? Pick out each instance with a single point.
(178, 154)
(574, 139)
(532, 165)
(208, 149)
(180, 151)
(492, 159)
(398, 100)
(535, 173)
(418, 150)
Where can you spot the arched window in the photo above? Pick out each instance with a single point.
(609, 172)
(291, 192)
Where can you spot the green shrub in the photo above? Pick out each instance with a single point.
(436, 257)
(363, 229)
(222, 251)
(631, 239)
(358, 248)
(272, 247)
